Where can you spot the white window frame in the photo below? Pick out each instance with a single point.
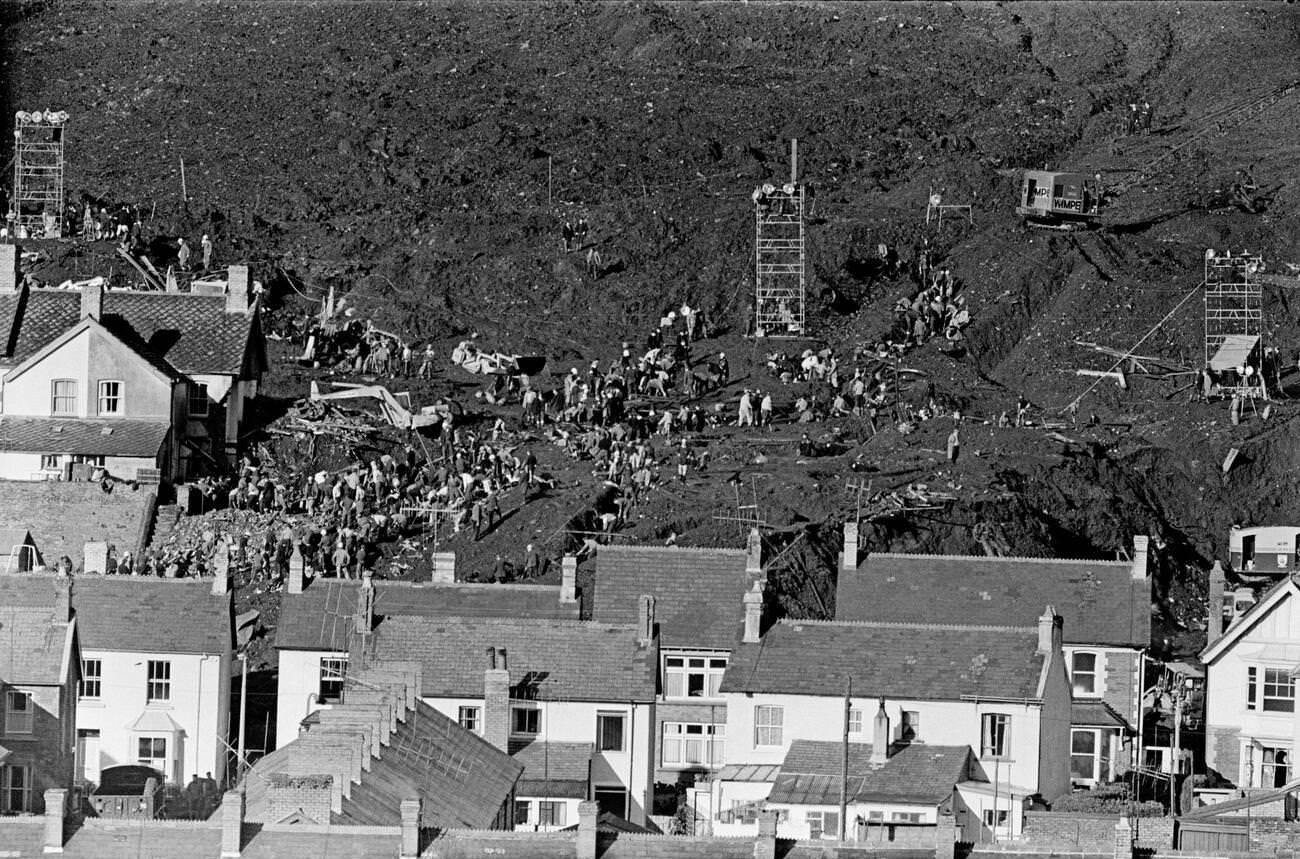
(92, 459)
(158, 681)
(333, 670)
(822, 818)
(557, 809)
(20, 719)
(855, 720)
(998, 747)
(1094, 756)
(675, 744)
(116, 397)
(1094, 674)
(68, 396)
(162, 764)
(769, 724)
(9, 785)
(1267, 769)
(526, 805)
(604, 717)
(51, 461)
(198, 393)
(90, 686)
(471, 719)
(680, 667)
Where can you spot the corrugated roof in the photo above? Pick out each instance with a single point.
(556, 660)
(193, 333)
(698, 592)
(910, 661)
(92, 437)
(748, 772)
(135, 614)
(916, 774)
(320, 617)
(1099, 600)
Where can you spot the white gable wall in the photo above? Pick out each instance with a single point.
(1237, 736)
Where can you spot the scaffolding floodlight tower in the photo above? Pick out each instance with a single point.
(779, 256)
(36, 209)
(1234, 319)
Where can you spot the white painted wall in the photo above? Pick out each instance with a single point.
(575, 722)
(17, 465)
(944, 723)
(298, 685)
(199, 704)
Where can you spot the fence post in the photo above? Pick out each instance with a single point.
(945, 837)
(765, 843)
(588, 811)
(56, 800)
(232, 824)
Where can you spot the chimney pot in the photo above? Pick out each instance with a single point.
(849, 555)
(880, 736)
(754, 552)
(753, 600)
(569, 580)
(92, 301)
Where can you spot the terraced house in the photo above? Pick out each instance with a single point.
(149, 385)
(700, 599)
(1106, 606)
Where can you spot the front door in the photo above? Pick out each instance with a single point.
(88, 755)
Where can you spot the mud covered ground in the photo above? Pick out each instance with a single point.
(420, 157)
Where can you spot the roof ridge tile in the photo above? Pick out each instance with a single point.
(1015, 559)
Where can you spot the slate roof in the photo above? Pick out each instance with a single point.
(910, 661)
(550, 660)
(32, 645)
(914, 774)
(193, 333)
(135, 614)
(319, 617)
(553, 769)
(72, 435)
(1099, 600)
(698, 592)
(1094, 713)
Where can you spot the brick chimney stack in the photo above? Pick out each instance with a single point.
(62, 598)
(753, 614)
(754, 552)
(1141, 544)
(880, 736)
(496, 699)
(10, 277)
(1214, 610)
(92, 301)
(849, 555)
(237, 289)
(1050, 627)
(569, 579)
(645, 620)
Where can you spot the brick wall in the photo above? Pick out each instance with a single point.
(1089, 832)
(289, 794)
(628, 846)
(1274, 835)
(464, 844)
(1121, 667)
(1223, 751)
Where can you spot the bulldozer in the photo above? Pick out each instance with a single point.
(1059, 201)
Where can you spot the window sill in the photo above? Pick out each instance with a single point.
(997, 759)
(694, 699)
(158, 705)
(92, 703)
